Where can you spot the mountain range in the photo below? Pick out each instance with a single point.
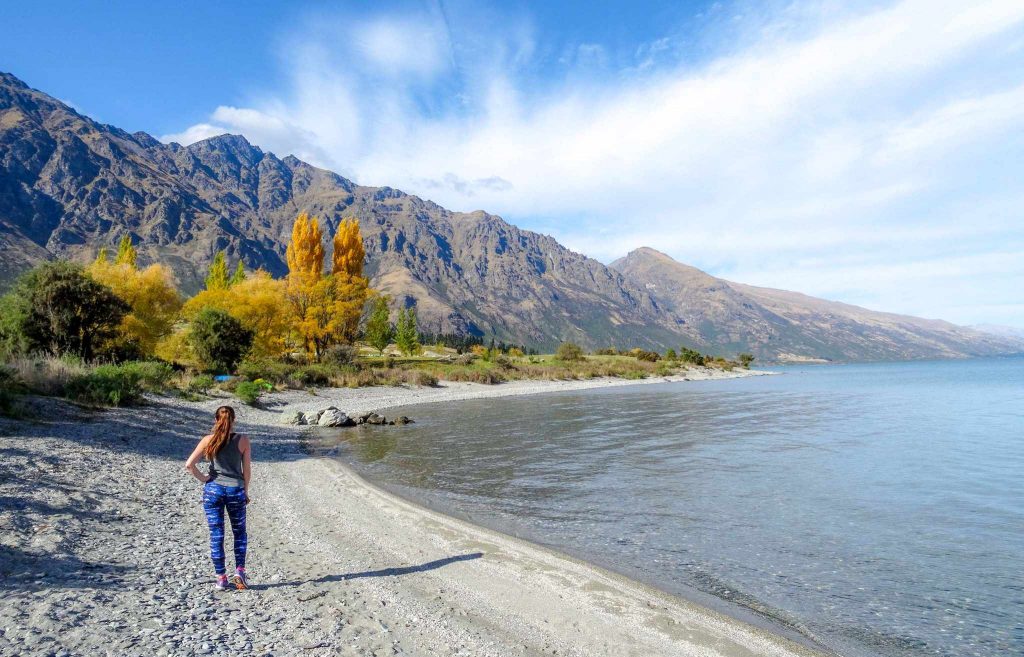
(70, 185)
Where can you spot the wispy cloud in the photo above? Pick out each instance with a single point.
(893, 134)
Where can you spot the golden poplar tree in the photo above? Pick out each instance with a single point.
(325, 308)
(348, 249)
(305, 251)
(350, 287)
(305, 255)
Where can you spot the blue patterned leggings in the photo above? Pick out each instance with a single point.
(215, 499)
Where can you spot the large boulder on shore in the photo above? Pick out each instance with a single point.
(376, 419)
(332, 417)
(293, 417)
(360, 418)
(402, 419)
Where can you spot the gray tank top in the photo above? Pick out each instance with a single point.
(226, 467)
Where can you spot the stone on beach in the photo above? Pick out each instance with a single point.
(376, 419)
(333, 417)
(360, 418)
(293, 417)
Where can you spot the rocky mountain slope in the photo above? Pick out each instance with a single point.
(781, 325)
(70, 185)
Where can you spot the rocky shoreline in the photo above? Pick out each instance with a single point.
(104, 552)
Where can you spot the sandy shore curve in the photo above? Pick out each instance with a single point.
(104, 551)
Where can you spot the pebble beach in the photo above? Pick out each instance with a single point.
(104, 550)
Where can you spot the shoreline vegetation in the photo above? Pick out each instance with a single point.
(339, 565)
(108, 333)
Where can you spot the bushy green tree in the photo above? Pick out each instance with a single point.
(671, 354)
(379, 329)
(569, 352)
(688, 355)
(746, 360)
(59, 310)
(406, 335)
(12, 313)
(218, 340)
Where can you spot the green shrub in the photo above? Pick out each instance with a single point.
(746, 360)
(569, 352)
(423, 378)
(248, 391)
(271, 370)
(634, 374)
(503, 361)
(644, 355)
(671, 354)
(312, 375)
(201, 384)
(9, 387)
(107, 385)
(219, 340)
(153, 375)
(340, 354)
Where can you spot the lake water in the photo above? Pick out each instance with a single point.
(876, 508)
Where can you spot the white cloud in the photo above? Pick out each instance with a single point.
(878, 134)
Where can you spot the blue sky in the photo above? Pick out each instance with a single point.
(869, 152)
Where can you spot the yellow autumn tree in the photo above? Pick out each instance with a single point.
(325, 308)
(348, 249)
(305, 252)
(259, 302)
(305, 255)
(150, 292)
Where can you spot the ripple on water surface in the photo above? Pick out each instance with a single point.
(879, 508)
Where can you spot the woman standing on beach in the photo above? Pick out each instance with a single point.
(226, 486)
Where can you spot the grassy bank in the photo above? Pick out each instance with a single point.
(125, 383)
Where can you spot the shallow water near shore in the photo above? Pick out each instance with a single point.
(877, 508)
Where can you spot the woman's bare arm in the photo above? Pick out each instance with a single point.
(195, 457)
(245, 446)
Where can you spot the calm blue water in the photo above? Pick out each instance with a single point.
(877, 508)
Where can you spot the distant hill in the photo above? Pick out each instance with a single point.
(1013, 332)
(70, 185)
(776, 325)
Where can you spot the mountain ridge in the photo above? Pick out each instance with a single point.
(70, 185)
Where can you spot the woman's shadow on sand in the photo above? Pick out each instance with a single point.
(384, 572)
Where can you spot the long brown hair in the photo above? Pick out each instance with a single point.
(225, 420)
